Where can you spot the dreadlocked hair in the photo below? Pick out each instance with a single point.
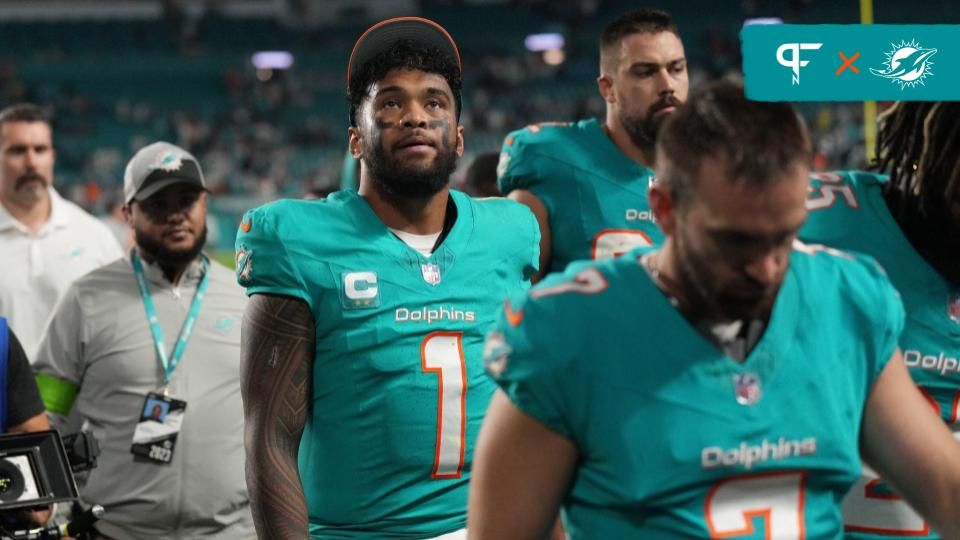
(918, 145)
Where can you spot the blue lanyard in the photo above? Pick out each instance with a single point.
(169, 363)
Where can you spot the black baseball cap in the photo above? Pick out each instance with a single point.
(157, 166)
(385, 34)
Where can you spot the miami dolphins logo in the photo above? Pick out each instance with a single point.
(907, 64)
(244, 264)
(168, 162)
(495, 353)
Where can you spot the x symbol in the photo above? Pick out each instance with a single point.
(848, 62)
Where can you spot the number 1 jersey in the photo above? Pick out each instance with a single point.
(399, 391)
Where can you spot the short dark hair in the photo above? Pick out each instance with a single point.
(761, 141)
(480, 179)
(640, 21)
(24, 112)
(406, 54)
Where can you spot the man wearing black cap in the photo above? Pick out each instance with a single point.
(160, 327)
(362, 376)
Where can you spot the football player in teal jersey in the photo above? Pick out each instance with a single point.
(363, 381)
(587, 181)
(910, 222)
(719, 387)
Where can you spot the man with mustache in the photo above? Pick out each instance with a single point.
(47, 241)
(585, 181)
(161, 326)
(363, 381)
(725, 385)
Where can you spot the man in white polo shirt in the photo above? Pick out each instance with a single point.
(147, 351)
(48, 241)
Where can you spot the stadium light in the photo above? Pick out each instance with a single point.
(763, 20)
(544, 42)
(272, 60)
(554, 57)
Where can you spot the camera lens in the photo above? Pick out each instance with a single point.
(11, 481)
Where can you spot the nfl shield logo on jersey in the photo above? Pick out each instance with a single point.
(953, 307)
(747, 386)
(431, 273)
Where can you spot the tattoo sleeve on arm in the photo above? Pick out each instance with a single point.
(277, 348)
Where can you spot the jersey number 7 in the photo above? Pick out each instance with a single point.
(734, 505)
(442, 353)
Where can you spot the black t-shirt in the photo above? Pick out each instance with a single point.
(23, 398)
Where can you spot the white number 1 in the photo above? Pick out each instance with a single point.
(442, 353)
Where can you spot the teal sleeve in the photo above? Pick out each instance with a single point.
(882, 306)
(530, 243)
(891, 320)
(534, 247)
(264, 264)
(517, 167)
(528, 368)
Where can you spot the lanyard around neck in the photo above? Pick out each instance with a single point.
(169, 363)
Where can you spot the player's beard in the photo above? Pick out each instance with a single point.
(707, 297)
(397, 181)
(643, 129)
(166, 257)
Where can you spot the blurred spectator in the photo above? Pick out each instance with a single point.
(116, 222)
(104, 352)
(50, 241)
(481, 176)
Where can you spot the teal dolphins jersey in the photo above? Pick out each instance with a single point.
(595, 196)
(848, 211)
(399, 389)
(676, 439)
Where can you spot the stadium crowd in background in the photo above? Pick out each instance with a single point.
(252, 149)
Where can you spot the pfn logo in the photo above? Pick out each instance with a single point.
(794, 62)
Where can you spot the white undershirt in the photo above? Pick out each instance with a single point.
(421, 242)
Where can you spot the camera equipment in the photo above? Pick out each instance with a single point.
(82, 451)
(34, 470)
(78, 528)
